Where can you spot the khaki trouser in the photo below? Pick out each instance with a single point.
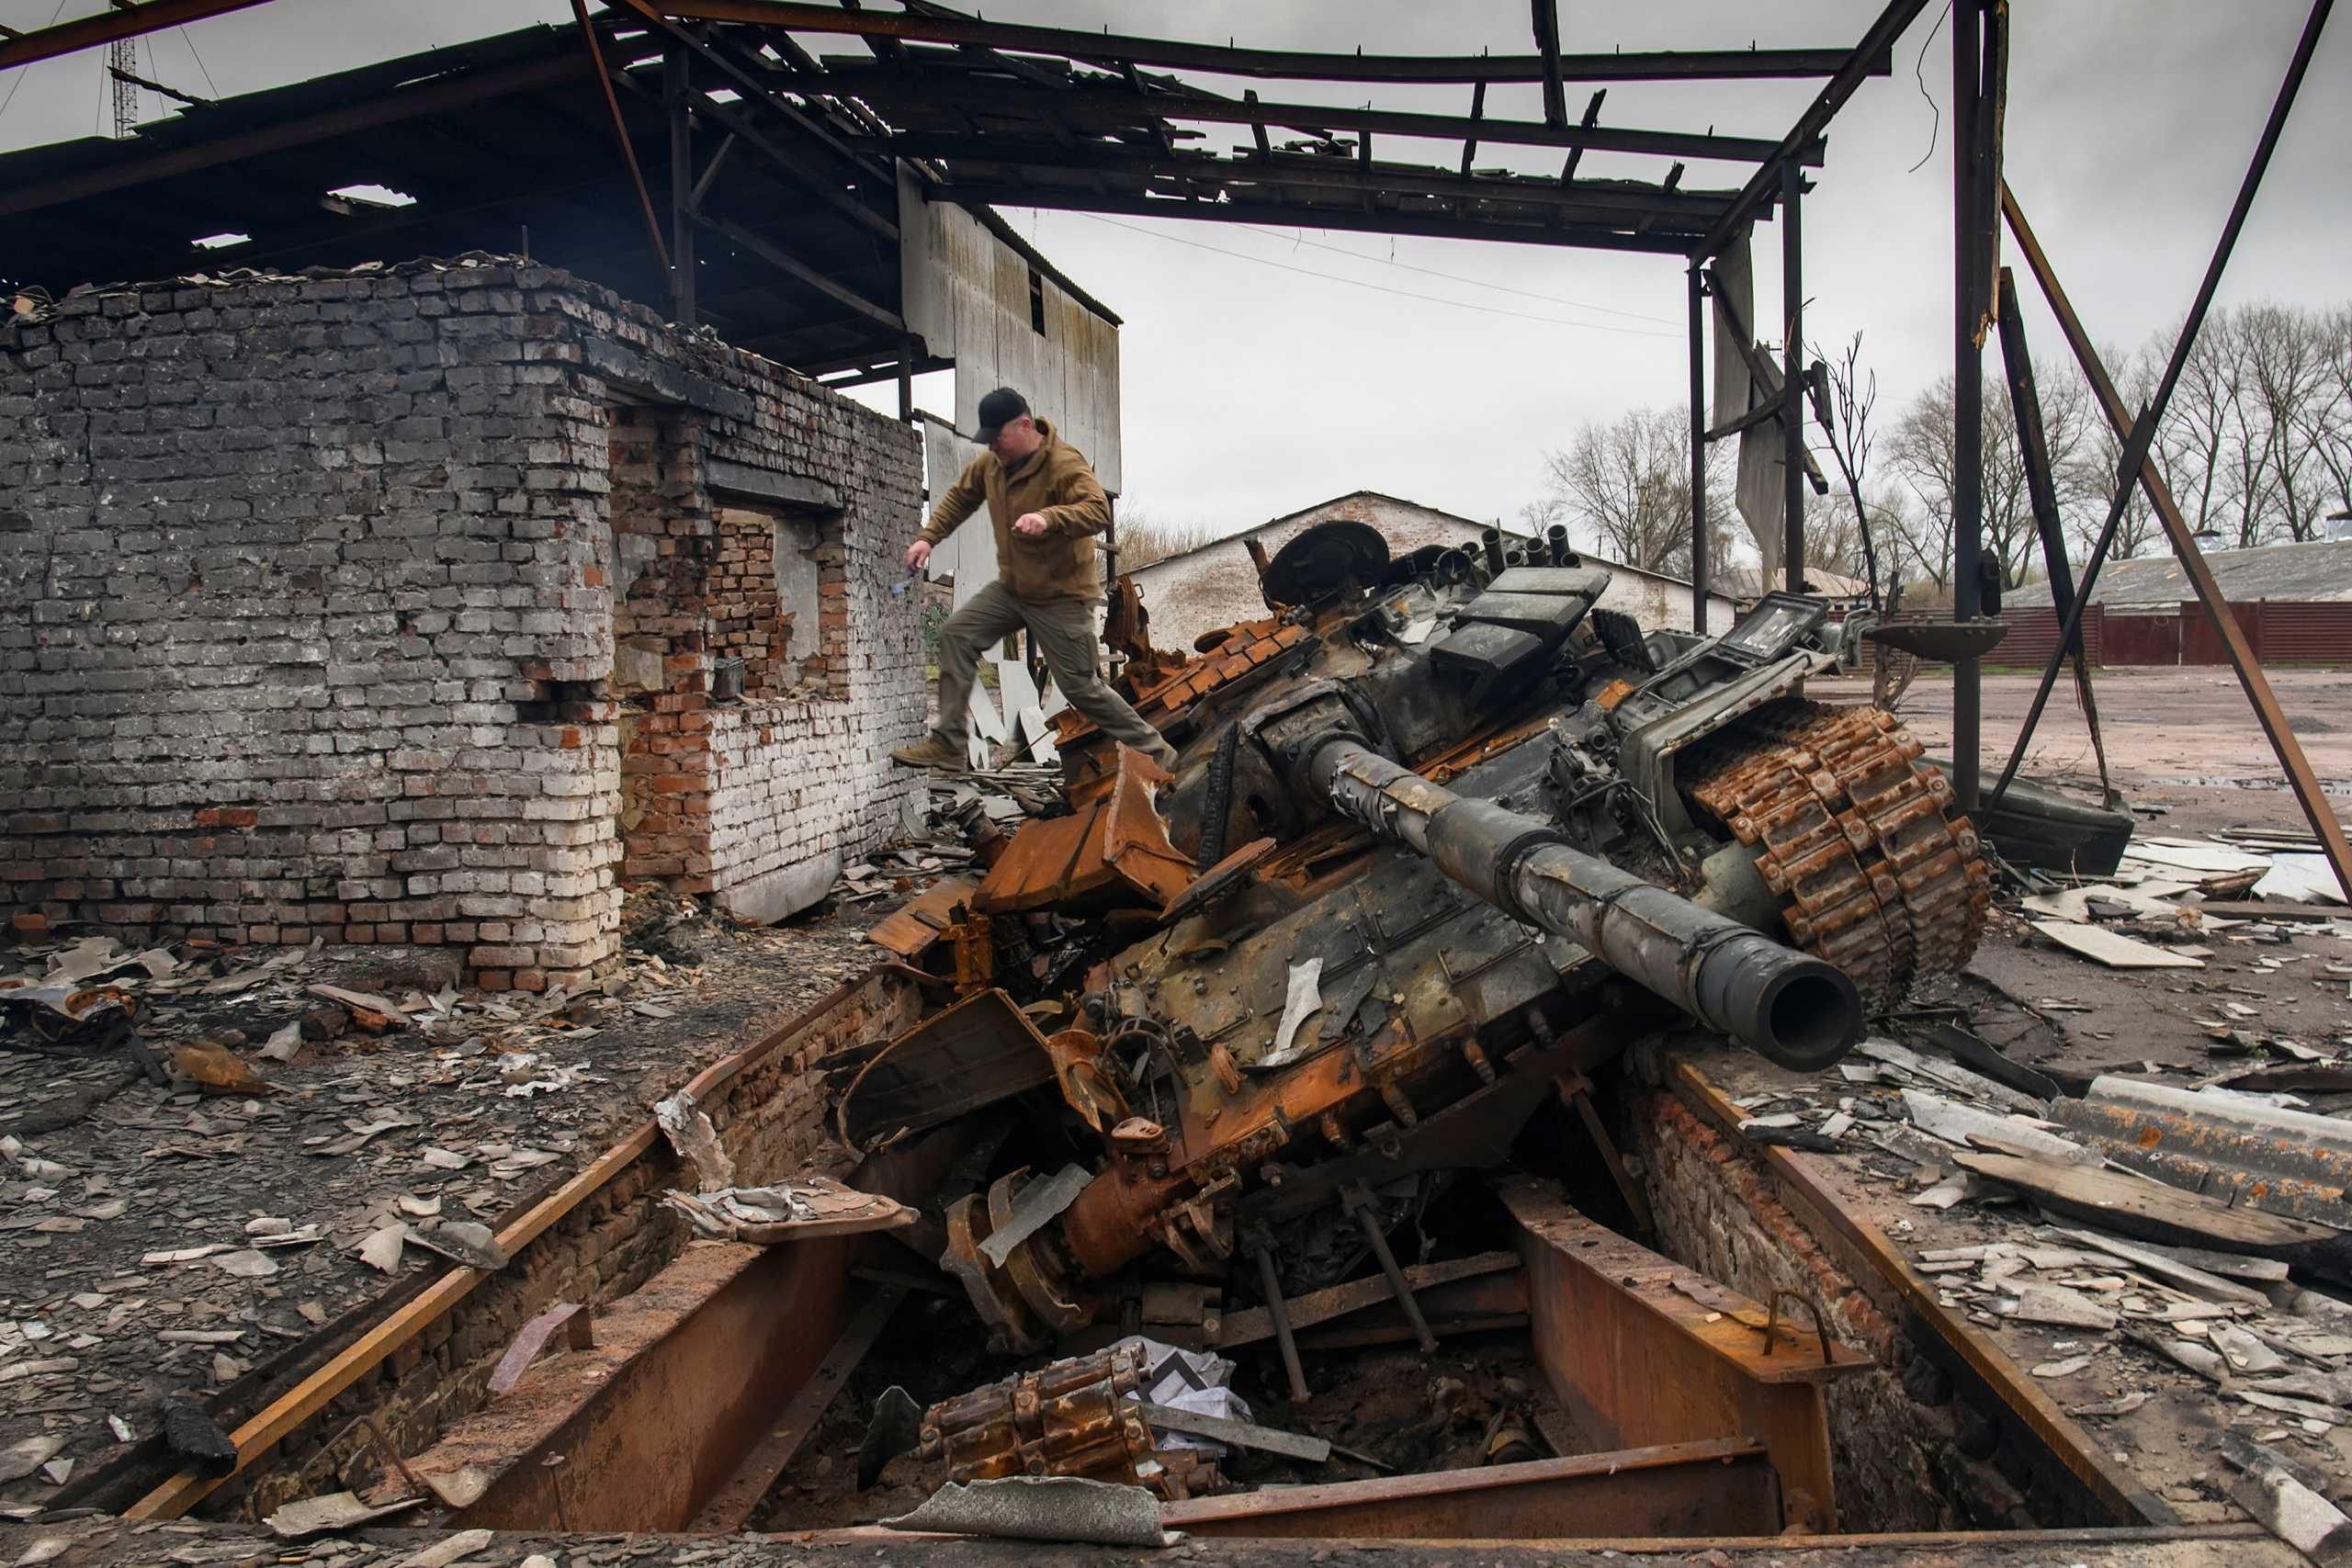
(1064, 632)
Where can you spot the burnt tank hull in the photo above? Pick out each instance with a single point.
(1445, 835)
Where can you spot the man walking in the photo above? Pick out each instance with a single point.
(1046, 506)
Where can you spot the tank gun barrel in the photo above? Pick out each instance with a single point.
(1794, 1008)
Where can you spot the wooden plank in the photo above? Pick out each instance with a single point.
(272, 1424)
(2150, 1209)
(1320, 1306)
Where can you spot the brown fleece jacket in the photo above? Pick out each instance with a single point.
(1054, 482)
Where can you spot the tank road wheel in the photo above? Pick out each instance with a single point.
(1011, 1327)
(1030, 1273)
(1875, 873)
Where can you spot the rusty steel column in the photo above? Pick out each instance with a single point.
(1793, 378)
(677, 81)
(1699, 563)
(1967, 396)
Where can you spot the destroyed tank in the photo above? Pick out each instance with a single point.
(1447, 833)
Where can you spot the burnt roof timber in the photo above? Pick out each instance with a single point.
(107, 26)
(1437, 226)
(1547, 47)
(1761, 186)
(839, 201)
(768, 251)
(722, 55)
(363, 114)
(1098, 107)
(1278, 170)
(1229, 60)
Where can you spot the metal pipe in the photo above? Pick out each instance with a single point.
(1279, 1311)
(1797, 1009)
(1493, 540)
(1556, 544)
(1698, 458)
(1357, 1201)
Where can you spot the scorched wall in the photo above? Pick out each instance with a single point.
(387, 607)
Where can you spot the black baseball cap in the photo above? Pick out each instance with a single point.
(1000, 409)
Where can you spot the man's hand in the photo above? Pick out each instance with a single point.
(1029, 523)
(917, 555)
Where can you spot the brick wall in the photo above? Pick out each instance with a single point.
(308, 606)
(770, 1118)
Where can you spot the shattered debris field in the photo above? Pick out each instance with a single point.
(1122, 1159)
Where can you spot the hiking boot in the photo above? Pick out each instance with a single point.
(931, 751)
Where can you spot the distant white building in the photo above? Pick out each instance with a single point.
(1215, 584)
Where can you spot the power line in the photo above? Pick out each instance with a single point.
(199, 61)
(1482, 283)
(1375, 287)
(20, 70)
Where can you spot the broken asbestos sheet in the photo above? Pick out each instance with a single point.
(798, 1210)
(2112, 949)
(1043, 1507)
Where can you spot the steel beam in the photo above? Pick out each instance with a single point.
(1723, 1488)
(1699, 565)
(2305, 784)
(1022, 158)
(2041, 489)
(109, 27)
(1104, 108)
(1967, 393)
(1640, 1350)
(440, 96)
(620, 134)
(913, 25)
(1298, 216)
(1546, 15)
(1877, 45)
(677, 93)
(1793, 453)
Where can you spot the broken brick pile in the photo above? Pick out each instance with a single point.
(309, 615)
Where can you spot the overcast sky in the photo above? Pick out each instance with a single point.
(1258, 382)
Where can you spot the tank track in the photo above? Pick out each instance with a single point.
(1875, 873)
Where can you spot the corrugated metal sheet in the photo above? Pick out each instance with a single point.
(2304, 634)
(2141, 640)
(2201, 641)
(2033, 632)
(966, 297)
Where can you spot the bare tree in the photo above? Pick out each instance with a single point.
(2286, 361)
(1626, 488)
(1924, 454)
(2325, 425)
(1845, 419)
